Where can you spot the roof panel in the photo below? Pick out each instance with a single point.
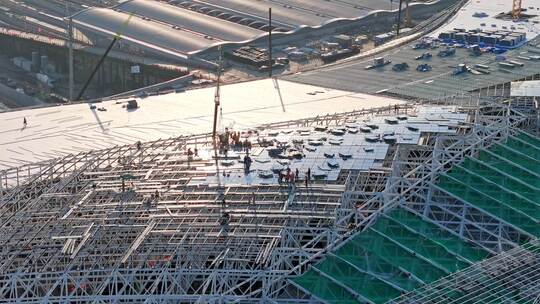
(146, 31)
(191, 20)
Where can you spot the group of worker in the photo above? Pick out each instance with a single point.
(190, 154)
(292, 177)
(238, 143)
(228, 139)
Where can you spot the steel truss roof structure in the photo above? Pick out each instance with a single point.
(141, 223)
(429, 230)
(90, 226)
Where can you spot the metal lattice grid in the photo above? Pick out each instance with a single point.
(72, 234)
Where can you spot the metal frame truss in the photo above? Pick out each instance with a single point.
(135, 224)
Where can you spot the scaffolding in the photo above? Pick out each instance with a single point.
(142, 223)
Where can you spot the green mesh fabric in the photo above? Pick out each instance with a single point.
(424, 248)
(502, 164)
(402, 251)
(492, 206)
(504, 181)
(534, 141)
(399, 253)
(523, 147)
(450, 242)
(324, 288)
(504, 196)
(508, 180)
(517, 156)
(376, 266)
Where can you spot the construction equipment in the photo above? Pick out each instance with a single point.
(132, 104)
(516, 9)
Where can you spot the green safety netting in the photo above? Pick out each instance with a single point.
(504, 181)
(402, 251)
(399, 253)
(377, 266)
(505, 196)
(424, 247)
(524, 174)
(509, 179)
(324, 288)
(446, 239)
(365, 284)
(517, 156)
(529, 139)
(523, 147)
(511, 277)
(492, 206)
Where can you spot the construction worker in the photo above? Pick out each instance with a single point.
(189, 157)
(247, 163)
(246, 145)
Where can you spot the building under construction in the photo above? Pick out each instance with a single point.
(432, 203)
(431, 196)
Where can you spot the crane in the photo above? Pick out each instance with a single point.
(224, 220)
(516, 9)
(117, 37)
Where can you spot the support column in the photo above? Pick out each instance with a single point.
(70, 57)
